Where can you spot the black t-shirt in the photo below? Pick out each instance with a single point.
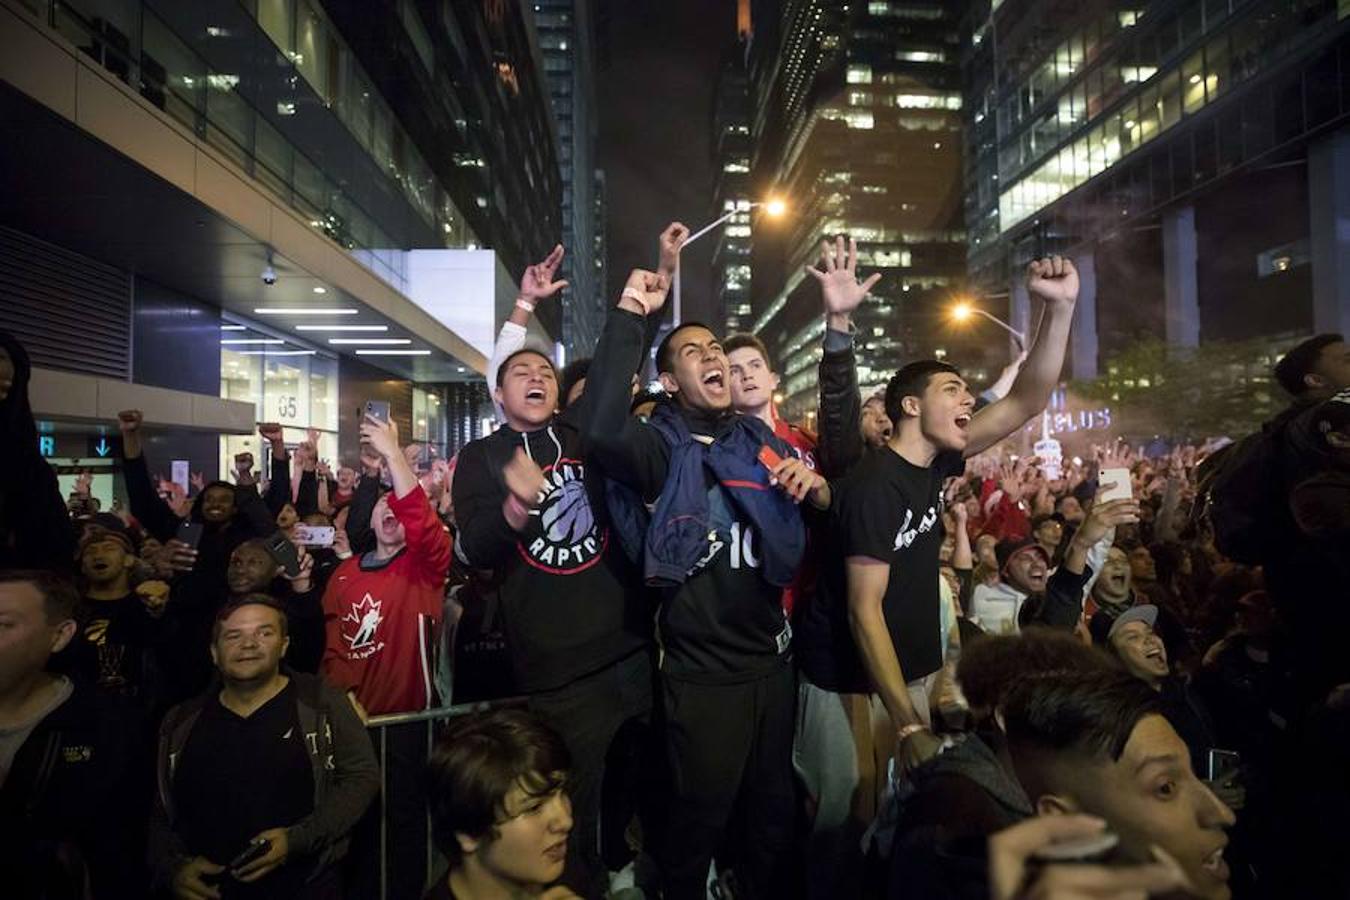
(891, 510)
(109, 649)
(725, 623)
(239, 776)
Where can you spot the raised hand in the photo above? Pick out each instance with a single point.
(198, 481)
(129, 421)
(1055, 280)
(645, 292)
(382, 437)
(84, 482)
(537, 283)
(671, 240)
(838, 277)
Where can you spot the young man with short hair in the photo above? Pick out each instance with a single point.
(500, 813)
(270, 758)
(724, 540)
(532, 506)
(872, 642)
(1098, 743)
(69, 811)
(753, 384)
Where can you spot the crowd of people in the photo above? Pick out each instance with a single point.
(891, 658)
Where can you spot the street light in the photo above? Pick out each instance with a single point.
(773, 208)
(962, 312)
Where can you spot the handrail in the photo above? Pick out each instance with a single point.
(442, 712)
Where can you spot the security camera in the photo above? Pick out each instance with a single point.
(269, 274)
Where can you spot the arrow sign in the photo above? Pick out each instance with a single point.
(102, 448)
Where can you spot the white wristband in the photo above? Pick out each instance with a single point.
(522, 303)
(636, 296)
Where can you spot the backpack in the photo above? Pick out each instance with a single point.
(1240, 493)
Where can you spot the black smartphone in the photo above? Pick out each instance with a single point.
(283, 551)
(256, 849)
(377, 409)
(190, 533)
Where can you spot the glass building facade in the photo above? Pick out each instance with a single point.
(1135, 135)
(566, 30)
(732, 147)
(856, 120)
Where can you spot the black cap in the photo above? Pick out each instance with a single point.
(1007, 549)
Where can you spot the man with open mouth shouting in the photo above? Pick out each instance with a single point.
(530, 504)
(726, 535)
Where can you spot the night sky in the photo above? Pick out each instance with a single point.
(655, 96)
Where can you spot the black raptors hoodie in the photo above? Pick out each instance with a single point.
(573, 602)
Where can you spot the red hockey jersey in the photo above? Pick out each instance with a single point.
(381, 620)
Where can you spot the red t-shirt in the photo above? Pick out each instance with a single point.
(804, 445)
(381, 623)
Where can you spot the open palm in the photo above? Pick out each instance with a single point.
(838, 277)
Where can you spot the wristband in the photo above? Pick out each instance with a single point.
(522, 303)
(909, 731)
(517, 508)
(636, 296)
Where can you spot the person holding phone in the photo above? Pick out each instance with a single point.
(261, 780)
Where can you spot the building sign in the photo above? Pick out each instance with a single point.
(46, 446)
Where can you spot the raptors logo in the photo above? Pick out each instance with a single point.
(567, 539)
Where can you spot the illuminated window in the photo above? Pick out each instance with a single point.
(859, 98)
(859, 75)
(920, 55)
(860, 119)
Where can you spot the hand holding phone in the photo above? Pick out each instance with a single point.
(190, 533)
(256, 849)
(1120, 485)
(378, 410)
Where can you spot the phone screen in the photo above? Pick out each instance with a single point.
(1223, 764)
(315, 535)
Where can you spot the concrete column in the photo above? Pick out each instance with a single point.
(1084, 334)
(1180, 290)
(1019, 311)
(1329, 231)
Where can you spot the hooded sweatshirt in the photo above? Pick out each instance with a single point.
(35, 529)
(572, 600)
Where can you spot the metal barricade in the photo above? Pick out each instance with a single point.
(379, 726)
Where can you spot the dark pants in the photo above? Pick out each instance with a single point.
(391, 839)
(588, 713)
(730, 743)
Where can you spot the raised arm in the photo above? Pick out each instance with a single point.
(840, 403)
(1055, 281)
(536, 285)
(145, 504)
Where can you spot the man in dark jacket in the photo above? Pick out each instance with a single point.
(724, 541)
(67, 815)
(271, 763)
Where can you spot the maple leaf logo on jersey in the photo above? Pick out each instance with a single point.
(366, 617)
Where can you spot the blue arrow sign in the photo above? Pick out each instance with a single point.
(102, 448)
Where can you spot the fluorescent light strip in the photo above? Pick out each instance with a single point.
(370, 341)
(277, 352)
(253, 341)
(302, 311)
(342, 328)
(233, 327)
(393, 352)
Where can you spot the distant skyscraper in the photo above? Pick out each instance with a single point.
(856, 123)
(732, 145)
(567, 38)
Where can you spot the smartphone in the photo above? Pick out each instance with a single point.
(1118, 477)
(190, 533)
(769, 457)
(315, 535)
(1223, 765)
(377, 409)
(1092, 848)
(283, 551)
(256, 849)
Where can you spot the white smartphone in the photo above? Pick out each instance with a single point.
(1121, 486)
(314, 535)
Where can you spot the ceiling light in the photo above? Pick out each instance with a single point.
(320, 289)
(302, 311)
(342, 328)
(277, 352)
(253, 341)
(369, 341)
(233, 327)
(393, 352)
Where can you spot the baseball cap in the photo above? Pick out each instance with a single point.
(1005, 550)
(1103, 626)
